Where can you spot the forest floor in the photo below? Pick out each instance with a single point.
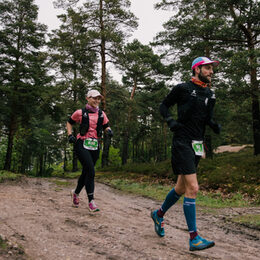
(37, 221)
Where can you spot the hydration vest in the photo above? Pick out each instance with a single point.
(84, 126)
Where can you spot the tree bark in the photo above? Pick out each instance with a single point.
(106, 141)
(65, 160)
(74, 160)
(255, 108)
(125, 152)
(12, 130)
(40, 165)
(125, 148)
(105, 154)
(247, 31)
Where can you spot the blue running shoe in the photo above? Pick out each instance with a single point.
(199, 243)
(158, 223)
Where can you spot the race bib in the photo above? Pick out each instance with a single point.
(90, 144)
(198, 147)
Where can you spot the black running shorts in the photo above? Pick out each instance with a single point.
(184, 160)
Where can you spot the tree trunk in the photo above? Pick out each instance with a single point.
(106, 140)
(23, 162)
(247, 31)
(125, 152)
(133, 151)
(74, 160)
(74, 156)
(65, 160)
(165, 140)
(255, 111)
(12, 130)
(102, 54)
(40, 165)
(125, 147)
(105, 154)
(255, 94)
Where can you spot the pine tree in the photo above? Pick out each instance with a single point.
(73, 60)
(22, 74)
(227, 30)
(110, 24)
(140, 68)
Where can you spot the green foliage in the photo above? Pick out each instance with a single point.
(6, 175)
(3, 145)
(139, 63)
(35, 107)
(72, 57)
(143, 74)
(114, 158)
(62, 183)
(158, 189)
(154, 191)
(222, 30)
(8, 248)
(231, 172)
(249, 220)
(3, 244)
(67, 175)
(216, 199)
(23, 77)
(226, 174)
(161, 169)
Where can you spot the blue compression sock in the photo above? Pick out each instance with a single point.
(189, 207)
(170, 200)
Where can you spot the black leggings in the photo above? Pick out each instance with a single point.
(88, 159)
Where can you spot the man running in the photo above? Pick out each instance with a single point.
(195, 101)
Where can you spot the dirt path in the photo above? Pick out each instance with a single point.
(231, 148)
(37, 215)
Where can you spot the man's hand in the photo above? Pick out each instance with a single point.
(72, 139)
(215, 127)
(173, 125)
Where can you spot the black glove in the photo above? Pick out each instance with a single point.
(173, 125)
(215, 127)
(72, 139)
(110, 133)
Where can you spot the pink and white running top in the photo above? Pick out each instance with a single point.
(93, 118)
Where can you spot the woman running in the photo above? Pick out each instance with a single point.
(92, 122)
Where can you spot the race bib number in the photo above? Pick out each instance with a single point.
(90, 144)
(198, 147)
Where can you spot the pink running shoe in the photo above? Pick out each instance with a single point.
(92, 206)
(75, 199)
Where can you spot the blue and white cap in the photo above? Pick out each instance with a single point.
(203, 61)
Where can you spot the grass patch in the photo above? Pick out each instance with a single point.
(61, 183)
(8, 249)
(217, 200)
(225, 174)
(251, 220)
(158, 189)
(231, 173)
(66, 175)
(3, 244)
(6, 175)
(157, 192)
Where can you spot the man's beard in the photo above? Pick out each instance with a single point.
(203, 79)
